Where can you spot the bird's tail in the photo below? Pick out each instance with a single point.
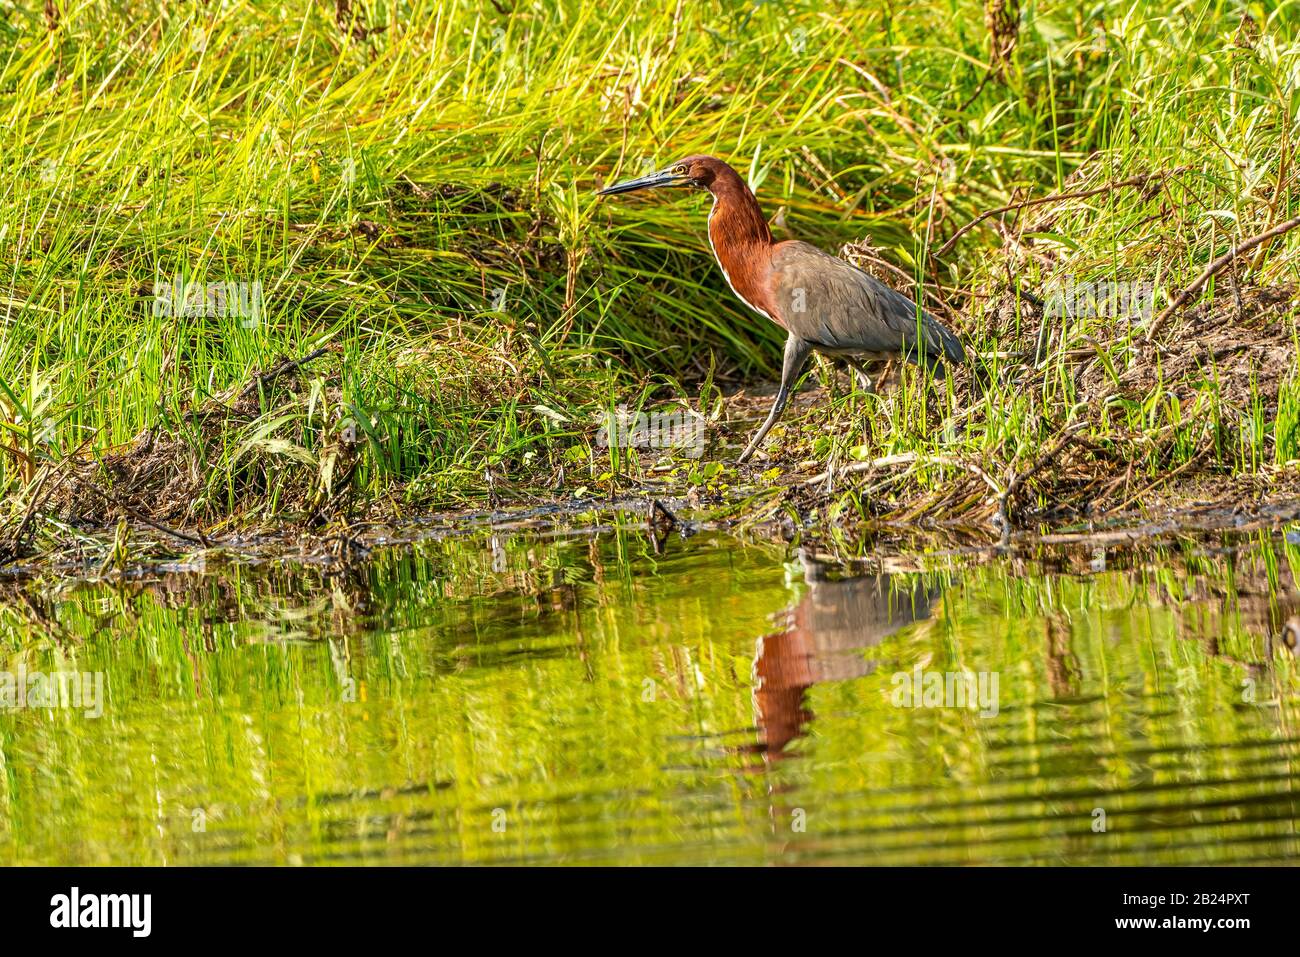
(938, 346)
(949, 346)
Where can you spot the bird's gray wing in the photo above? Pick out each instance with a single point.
(839, 308)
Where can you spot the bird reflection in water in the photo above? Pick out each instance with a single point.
(824, 639)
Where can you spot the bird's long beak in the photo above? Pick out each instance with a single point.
(664, 177)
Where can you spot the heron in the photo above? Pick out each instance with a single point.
(823, 303)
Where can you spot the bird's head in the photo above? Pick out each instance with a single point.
(699, 172)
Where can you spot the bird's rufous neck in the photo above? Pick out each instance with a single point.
(736, 210)
(741, 241)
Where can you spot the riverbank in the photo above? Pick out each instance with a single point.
(1212, 432)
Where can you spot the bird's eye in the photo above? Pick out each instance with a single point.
(681, 171)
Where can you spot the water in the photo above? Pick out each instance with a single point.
(583, 699)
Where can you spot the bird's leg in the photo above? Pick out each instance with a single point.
(830, 378)
(864, 380)
(866, 385)
(796, 354)
(891, 376)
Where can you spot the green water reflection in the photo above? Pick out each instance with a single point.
(586, 700)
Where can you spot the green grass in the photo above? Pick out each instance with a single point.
(421, 200)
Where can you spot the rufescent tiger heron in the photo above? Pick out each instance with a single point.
(825, 304)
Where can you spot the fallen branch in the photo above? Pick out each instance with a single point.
(284, 367)
(660, 512)
(1195, 459)
(1141, 180)
(905, 458)
(1213, 269)
(1017, 482)
(201, 540)
(18, 543)
(911, 458)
